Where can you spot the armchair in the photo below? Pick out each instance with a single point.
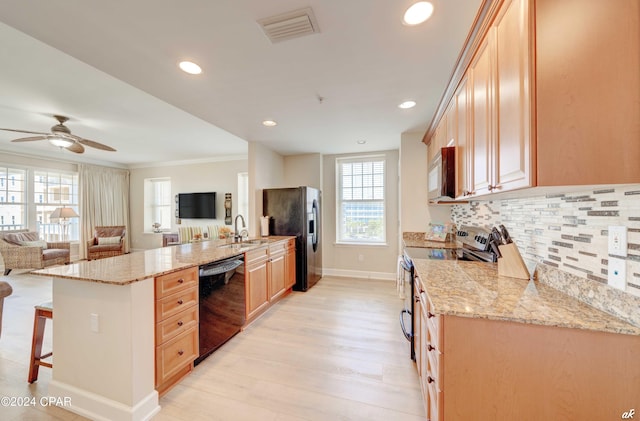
(107, 241)
(22, 249)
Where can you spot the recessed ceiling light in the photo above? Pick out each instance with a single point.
(418, 13)
(190, 67)
(407, 104)
(269, 123)
(361, 142)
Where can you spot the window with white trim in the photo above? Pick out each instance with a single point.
(13, 198)
(51, 190)
(157, 204)
(361, 205)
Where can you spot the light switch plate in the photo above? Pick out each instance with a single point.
(617, 270)
(618, 241)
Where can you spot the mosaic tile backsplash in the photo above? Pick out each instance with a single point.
(569, 232)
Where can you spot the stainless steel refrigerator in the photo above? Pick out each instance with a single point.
(296, 211)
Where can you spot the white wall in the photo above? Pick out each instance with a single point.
(266, 170)
(415, 213)
(303, 170)
(218, 176)
(358, 260)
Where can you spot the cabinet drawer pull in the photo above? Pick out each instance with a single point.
(430, 315)
(417, 299)
(180, 281)
(430, 379)
(180, 323)
(430, 348)
(180, 352)
(180, 301)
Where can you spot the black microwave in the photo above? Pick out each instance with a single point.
(442, 174)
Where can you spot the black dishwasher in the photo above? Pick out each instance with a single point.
(221, 303)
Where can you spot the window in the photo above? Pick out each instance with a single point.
(361, 200)
(157, 204)
(51, 190)
(13, 205)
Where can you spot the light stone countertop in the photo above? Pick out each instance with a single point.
(416, 239)
(474, 289)
(136, 266)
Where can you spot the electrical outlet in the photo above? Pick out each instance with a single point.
(95, 322)
(617, 269)
(618, 241)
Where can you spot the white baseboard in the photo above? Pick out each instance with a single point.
(99, 408)
(359, 274)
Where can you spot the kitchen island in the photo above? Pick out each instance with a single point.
(491, 347)
(104, 329)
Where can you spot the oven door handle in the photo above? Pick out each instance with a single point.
(404, 330)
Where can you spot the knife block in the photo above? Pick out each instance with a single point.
(511, 263)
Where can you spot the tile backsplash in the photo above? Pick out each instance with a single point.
(567, 231)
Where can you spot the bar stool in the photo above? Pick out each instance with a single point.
(43, 312)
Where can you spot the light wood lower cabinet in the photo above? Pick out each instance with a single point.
(480, 369)
(176, 296)
(290, 264)
(256, 282)
(270, 272)
(276, 270)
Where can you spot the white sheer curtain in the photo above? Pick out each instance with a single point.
(104, 200)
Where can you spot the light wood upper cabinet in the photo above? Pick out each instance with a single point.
(587, 91)
(482, 115)
(512, 141)
(463, 143)
(552, 103)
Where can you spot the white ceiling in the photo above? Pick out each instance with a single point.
(111, 67)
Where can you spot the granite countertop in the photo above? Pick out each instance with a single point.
(133, 267)
(416, 239)
(474, 289)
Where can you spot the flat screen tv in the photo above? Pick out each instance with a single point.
(197, 205)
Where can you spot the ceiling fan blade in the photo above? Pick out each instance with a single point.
(94, 144)
(30, 139)
(76, 147)
(22, 131)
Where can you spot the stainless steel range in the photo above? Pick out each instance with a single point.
(476, 246)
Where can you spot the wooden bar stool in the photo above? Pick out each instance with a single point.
(43, 312)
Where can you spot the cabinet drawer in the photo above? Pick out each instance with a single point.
(174, 355)
(174, 304)
(434, 402)
(434, 324)
(172, 283)
(279, 247)
(256, 256)
(175, 325)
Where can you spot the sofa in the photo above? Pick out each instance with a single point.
(107, 241)
(23, 249)
(5, 291)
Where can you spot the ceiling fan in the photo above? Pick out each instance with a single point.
(61, 136)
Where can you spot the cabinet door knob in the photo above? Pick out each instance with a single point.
(430, 348)
(180, 281)
(180, 301)
(430, 379)
(180, 323)
(430, 315)
(180, 352)
(417, 299)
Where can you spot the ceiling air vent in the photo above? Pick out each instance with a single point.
(290, 25)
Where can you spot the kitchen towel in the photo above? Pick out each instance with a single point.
(264, 226)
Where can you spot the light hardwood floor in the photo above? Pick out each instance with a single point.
(334, 352)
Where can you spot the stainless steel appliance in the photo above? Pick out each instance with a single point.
(297, 211)
(222, 303)
(476, 246)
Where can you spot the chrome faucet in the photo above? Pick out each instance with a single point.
(238, 234)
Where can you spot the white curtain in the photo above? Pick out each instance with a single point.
(104, 201)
